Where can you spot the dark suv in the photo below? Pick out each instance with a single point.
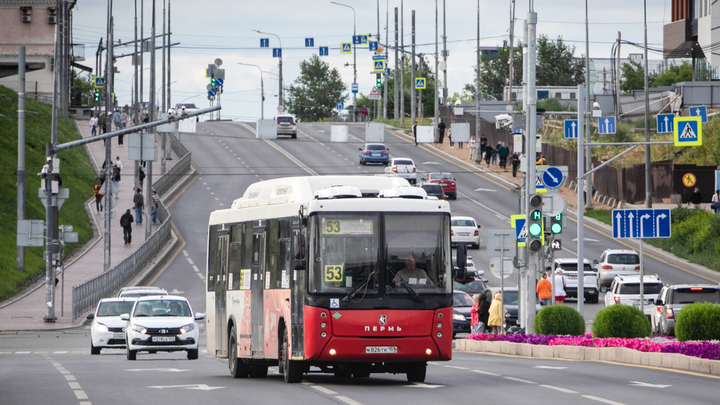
(433, 190)
(672, 298)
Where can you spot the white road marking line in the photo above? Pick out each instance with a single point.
(211, 193)
(80, 394)
(324, 390)
(348, 400)
(196, 268)
(186, 253)
(459, 368)
(70, 378)
(190, 261)
(201, 276)
(520, 380)
(221, 204)
(22, 352)
(603, 400)
(486, 373)
(60, 352)
(74, 385)
(551, 367)
(216, 198)
(85, 403)
(565, 390)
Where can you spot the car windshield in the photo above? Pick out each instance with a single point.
(375, 147)
(623, 259)
(115, 308)
(696, 294)
(473, 287)
(432, 188)
(441, 176)
(572, 266)
(462, 300)
(406, 162)
(162, 308)
(463, 222)
(288, 120)
(634, 288)
(510, 297)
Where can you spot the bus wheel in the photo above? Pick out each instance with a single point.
(293, 371)
(238, 368)
(416, 372)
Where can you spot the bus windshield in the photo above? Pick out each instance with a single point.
(344, 252)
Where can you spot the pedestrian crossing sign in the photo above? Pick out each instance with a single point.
(687, 131)
(345, 47)
(379, 66)
(420, 83)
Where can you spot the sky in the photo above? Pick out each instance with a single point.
(211, 29)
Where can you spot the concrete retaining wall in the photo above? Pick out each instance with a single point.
(611, 354)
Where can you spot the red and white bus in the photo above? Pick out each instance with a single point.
(348, 275)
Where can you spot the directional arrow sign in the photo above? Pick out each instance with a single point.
(571, 129)
(641, 223)
(552, 177)
(665, 123)
(699, 111)
(606, 125)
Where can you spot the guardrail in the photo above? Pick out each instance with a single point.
(87, 294)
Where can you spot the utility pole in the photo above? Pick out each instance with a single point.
(20, 265)
(377, 102)
(445, 55)
(148, 188)
(412, 83)
(396, 101)
(387, 45)
(169, 82)
(478, 156)
(580, 205)
(648, 173)
(617, 81)
(402, 67)
(435, 87)
(136, 101)
(588, 107)
(108, 144)
(162, 95)
(510, 58)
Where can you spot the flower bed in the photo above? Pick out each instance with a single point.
(658, 344)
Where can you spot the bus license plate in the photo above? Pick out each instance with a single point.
(380, 349)
(163, 338)
(119, 336)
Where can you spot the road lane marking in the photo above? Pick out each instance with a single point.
(74, 385)
(323, 390)
(603, 400)
(348, 400)
(196, 268)
(486, 373)
(565, 390)
(186, 253)
(459, 368)
(520, 380)
(190, 261)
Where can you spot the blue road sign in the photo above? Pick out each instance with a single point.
(219, 82)
(264, 42)
(211, 93)
(699, 111)
(309, 42)
(688, 131)
(641, 223)
(339, 106)
(606, 125)
(665, 123)
(419, 83)
(323, 51)
(378, 57)
(360, 39)
(345, 47)
(373, 46)
(99, 82)
(518, 222)
(552, 177)
(354, 87)
(517, 131)
(277, 52)
(378, 66)
(386, 72)
(571, 129)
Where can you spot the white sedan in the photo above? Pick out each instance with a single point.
(403, 167)
(162, 324)
(465, 230)
(107, 329)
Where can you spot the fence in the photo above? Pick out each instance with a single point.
(87, 294)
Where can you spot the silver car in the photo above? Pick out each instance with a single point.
(616, 262)
(286, 126)
(672, 298)
(626, 290)
(403, 167)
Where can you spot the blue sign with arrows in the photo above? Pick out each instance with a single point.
(219, 82)
(641, 223)
(699, 111)
(264, 42)
(323, 51)
(665, 123)
(606, 125)
(552, 177)
(309, 42)
(339, 106)
(277, 52)
(571, 129)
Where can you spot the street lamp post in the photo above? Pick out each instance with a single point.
(354, 57)
(262, 90)
(280, 87)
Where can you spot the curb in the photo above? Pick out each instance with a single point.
(619, 355)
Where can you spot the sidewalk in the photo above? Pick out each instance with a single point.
(28, 310)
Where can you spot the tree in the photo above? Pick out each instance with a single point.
(494, 72)
(82, 89)
(422, 69)
(674, 74)
(316, 91)
(557, 65)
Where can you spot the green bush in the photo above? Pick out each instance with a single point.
(621, 321)
(698, 321)
(559, 320)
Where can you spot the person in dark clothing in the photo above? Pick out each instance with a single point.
(695, 198)
(483, 312)
(139, 202)
(98, 196)
(414, 131)
(441, 130)
(126, 222)
(488, 154)
(515, 160)
(483, 142)
(141, 175)
(503, 152)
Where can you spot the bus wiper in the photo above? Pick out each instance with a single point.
(359, 287)
(412, 292)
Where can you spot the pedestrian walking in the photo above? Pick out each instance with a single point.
(515, 161)
(449, 135)
(471, 146)
(414, 131)
(102, 122)
(560, 282)
(503, 152)
(93, 125)
(541, 161)
(441, 131)
(98, 195)
(154, 207)
(695, 198)
(141, 175)
(118, 163)
(126, 221)
(116, 181)
(364, 113)
(478, 317)
(139, 202)
(496, 317)
(488, 152)
(544, 290)
(116, 120)
(494, 157)
(483, 143)
(124, 118)
(484, 313)
(716, 202)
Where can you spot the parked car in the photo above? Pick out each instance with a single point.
(433, 190)
(141, 291)
(616, 262)
(590, 283)
(510, 301)
(107, 330)
(626, 290)
(162, 323)
(672, 298)
(465, 229)
(374, 153)
(403, 167)
(446, 181)
(462, 304)
(286, 125)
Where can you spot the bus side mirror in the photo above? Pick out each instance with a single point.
(299, 264)
(460, 272)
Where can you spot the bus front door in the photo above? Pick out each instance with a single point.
(221, 333)
(256, 287)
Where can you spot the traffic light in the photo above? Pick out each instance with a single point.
(378, 80)
(97, 96)
(556, 223)
(535, 223)
(212, 82)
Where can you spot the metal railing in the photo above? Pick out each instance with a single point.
(87, 294)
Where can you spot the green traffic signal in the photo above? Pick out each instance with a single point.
(556, 224)
(212, 82)
(378, 83)
(97, 96)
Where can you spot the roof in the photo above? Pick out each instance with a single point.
(561, 260)
(636, 278)
(625, 251)
(164, 296)
(677, 286)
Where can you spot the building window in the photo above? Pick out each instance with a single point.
(558, 95)
(572, 96)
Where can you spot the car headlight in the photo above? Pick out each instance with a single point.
(101, 327)
(187, 328)
(139, 329)
(458, 317)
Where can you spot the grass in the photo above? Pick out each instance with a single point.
(77, 175)
(604, 216)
